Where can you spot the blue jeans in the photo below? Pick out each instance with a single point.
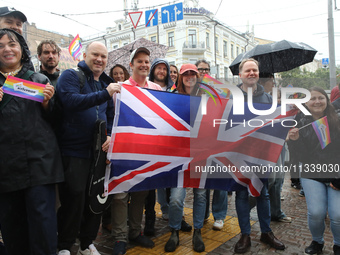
(274, 191)
(162, 200)
(220, 204)
(176, 207)
(320, 198)
(263, 210)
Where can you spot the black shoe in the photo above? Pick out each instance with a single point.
(336, 249)
(270, 239)
(149, 229)
(119, 248)
(314, 248)
(243, 244)
(173, 241)
(143, 241)
(185, 227)
(197, 241)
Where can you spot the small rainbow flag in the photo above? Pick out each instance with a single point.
(173, 88)
(24, 89)
(321, 129)
(75, 47)
(223, 92)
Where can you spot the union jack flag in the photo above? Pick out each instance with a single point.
(159, 139)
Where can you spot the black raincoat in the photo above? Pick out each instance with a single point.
(29, 154)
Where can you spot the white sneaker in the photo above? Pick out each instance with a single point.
(90, 251)
(218, 224)
(64, 252)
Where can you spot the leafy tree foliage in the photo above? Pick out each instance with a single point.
(304, 79)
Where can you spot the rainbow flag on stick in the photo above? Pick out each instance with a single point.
(321, 129)
(222, 92)
(24, 89)
(75, 47)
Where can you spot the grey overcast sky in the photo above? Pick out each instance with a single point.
(298, 21)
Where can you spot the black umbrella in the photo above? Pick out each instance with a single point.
(277, 57)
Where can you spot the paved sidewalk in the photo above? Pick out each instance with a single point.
(295, 235)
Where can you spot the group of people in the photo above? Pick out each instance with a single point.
(43, 155)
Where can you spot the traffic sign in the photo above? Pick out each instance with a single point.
(172, 13)
(135, 17)
(151, 18)
(325, 61)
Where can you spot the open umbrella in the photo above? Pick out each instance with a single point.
(122, 54)
(277, 57)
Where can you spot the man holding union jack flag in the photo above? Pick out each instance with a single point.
(249, 74)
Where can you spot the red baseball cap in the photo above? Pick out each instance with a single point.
(188, 67)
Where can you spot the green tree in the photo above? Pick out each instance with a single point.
(304, 79)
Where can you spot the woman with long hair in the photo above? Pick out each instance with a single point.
(119, 73)
(187, 84)
(188, 80)
(319, 177)
(174, 74)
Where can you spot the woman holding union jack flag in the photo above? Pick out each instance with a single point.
(187, 84)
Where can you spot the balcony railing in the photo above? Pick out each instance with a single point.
(194, 45)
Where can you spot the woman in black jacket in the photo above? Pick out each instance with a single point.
(30, 162)
(320, 169)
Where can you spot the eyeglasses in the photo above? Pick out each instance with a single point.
(206, 70)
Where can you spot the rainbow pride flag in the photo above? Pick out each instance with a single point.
(173, 88)
(24, 89)
(75, 47)
(321, 129)
(222, 92)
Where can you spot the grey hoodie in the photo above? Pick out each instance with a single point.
(168, 80)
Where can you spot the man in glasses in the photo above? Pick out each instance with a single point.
(220, 197)
(203, 67)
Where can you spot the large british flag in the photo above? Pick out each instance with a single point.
(162, 139)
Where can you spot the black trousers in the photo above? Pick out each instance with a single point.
(75, 218)
(150, 202)
(28, 222)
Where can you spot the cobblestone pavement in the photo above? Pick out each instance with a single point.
(295, 235)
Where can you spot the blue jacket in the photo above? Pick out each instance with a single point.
(81, 109)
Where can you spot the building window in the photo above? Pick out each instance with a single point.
(216, 43)
(225, 73)
(232, 50)
(237, 51)
(119, 27)
(153, 39)
(192, 38)
(207, 40)
(192, 60)
(115, 46)
(225, 48)
(171, 39)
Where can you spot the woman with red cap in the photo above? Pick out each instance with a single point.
(187, 84)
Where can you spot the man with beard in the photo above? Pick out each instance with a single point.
(160, 73)
(49, 55)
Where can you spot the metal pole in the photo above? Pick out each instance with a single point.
(332, 73)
